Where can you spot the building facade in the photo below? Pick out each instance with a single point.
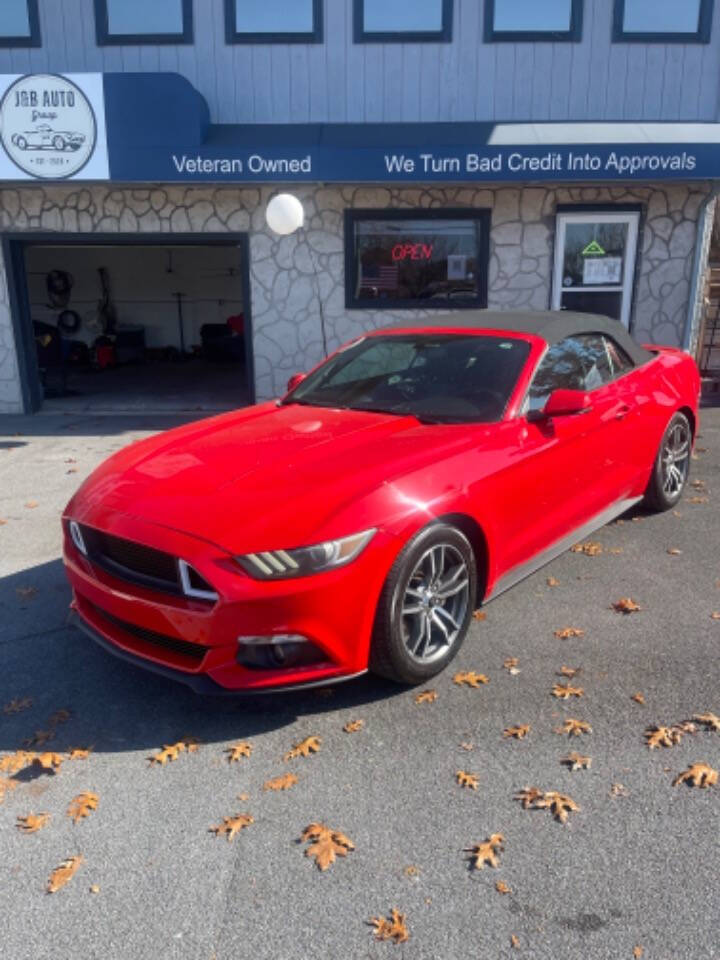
(462, 153)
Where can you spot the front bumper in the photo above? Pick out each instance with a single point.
(196, 642)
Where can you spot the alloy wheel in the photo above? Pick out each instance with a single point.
(675, 459)
(435, 603)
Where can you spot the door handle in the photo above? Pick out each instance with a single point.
(622, 412)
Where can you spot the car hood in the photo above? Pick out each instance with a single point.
(266, 477)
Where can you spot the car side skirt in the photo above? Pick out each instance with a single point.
(522, 570)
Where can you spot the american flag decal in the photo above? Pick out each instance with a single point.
(379, 277)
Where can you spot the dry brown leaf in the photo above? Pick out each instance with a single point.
(709, 720)
(638, 952)
(6, 786)
(394, 928)
(82, 805)
(591, 548)
(39, 738)
(60, 716)
(715, 615)
(577, 761)
(60, 876)
(466, 779)
(529, 796)
(412, 871)
(696, 499)
(618, 790)
(31, 504)
(3, 521)
(168, 753)
(638, 698)
(353, 726)
(17, 705)
(616, 550)
(563, 691)
(238, 750)
(14, 762)
(487, 852)
(426, 696)
(559, 804)
(519, 732)
(232, 825)
(470, 679)
(567, 632)
(626, 605)
(304, 748)
(699, 775)
(32, 822)
(326, 844)
(552, 582)
(94, 888)
(284, 782)
(48, 761)
(479, 615)
(574, 728)
(514, 941)
(79, 753)
(674, 552)
(502, 887)
(659, 736)
(510, 662)
(569, 672)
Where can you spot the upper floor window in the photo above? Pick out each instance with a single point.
(663, 21)
(273, 21)
(141, 21)
(514, 20)
(397, 21)
(19, 24)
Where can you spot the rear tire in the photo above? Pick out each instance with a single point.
(672, 465)
(425, 606)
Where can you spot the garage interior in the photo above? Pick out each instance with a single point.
(138, 327)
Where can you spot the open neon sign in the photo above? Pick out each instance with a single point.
(412, 251)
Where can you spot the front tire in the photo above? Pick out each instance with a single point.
(425, 606)
(672, 465)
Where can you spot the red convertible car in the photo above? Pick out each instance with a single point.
(357, 522)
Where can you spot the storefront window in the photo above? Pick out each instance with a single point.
(273, 21)
(396, 260)
(138, 21)
(529, 20)
(688, 21)
(396, 20)
(19, 25)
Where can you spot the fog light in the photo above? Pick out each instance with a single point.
(274, 651)
(77, 537)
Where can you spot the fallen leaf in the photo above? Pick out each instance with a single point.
(172, 751)
(304, 748)
(32, 822)
(685, 726)
(466, 779)
(426, 696)
(502, 887)
(48, 761)
(674, 552)
(238, 750)
(552, 582)
(6, 786)
(618, 790)
(591, 548)
(326, 844)
(699, 775)
(71, 470)
(563, 691)
(284, 782)
(14, 762)
(519, 732)
(232, 825)
(353, 726)
(659, 736)
(569, 672)
(696, 499)
(568, 632)
(39, 738)
(25, 593)
(560, 805)
(17, 705)
(698, 484)
(470, 678)
(709, 720)
(467, 745)
(60, 876)
(60, 716)
(82, 805)
(94, 888)
(479, 615)
(514, 941)
(616, 550)
(715, 615)
(487, 852)
(510, 662)
(638, 698)
(577, 761)
(638, 952)
(574, 728)
(626, 605)
(529, 796)
(412, 871)
(79, 753)
(31, 504)
(394, 928)
(2, 521)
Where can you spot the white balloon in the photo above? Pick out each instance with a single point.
(284, 214)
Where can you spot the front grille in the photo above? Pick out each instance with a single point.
(193, 651)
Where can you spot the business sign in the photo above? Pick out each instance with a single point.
(52, 127)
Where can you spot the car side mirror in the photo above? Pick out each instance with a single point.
(565, 403)
(294, 380)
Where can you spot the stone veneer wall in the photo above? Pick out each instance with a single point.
(283, 279)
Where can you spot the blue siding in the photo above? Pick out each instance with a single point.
(342, 81)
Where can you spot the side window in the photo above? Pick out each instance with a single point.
(619, 360)
(576, 363)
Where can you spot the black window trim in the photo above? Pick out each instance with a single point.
(33, 39)
(234, 36)
(701, 35)
(482, 232)
(107, 39)
(443, 35)
(573, 35)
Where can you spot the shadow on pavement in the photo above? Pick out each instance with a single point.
(88, 424)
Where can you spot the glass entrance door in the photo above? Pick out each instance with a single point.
(595, 263)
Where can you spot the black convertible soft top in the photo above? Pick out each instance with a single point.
(551, 325)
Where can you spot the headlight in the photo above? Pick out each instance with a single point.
(279, 564)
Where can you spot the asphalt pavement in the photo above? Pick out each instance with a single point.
(635, 867)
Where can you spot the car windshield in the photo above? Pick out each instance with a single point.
(438, 378)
